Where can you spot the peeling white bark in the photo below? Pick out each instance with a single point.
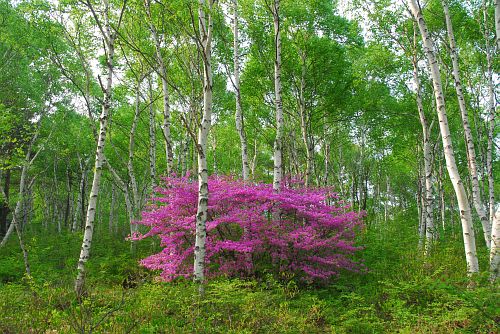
(495, 247)
(465, 212)
(491, 112)
(471, 151)
(152, 139)
(109, 42)
(164, 83)
(236, 83)
(278, 142)
(205, 44)
(427, 207)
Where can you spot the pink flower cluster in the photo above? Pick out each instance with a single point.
(250, 228)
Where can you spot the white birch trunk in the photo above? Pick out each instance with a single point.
(495, 247)
(164, 83)
(135, 206)
(109, 42)
(239, 114)
(278, 142)
(441, 196)
(471, 152)
(254, 159)
(304, 121)
(205, 27)
(152, 139)
(491, 111)
(497, 23)
(427, 208)
(465, 212)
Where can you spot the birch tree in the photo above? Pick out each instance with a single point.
(162, 70)
(497, 23)
(428, 216)
(278, 102)
(491, 111)
(495, 247)
(204, 39)
(471, 151)
(108, 35)
(236, 83)
(463, 203)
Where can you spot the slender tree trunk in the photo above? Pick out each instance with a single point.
(441, 196)
(495, 247)
(491, 107)
(112, 209)
(304, 121)
(164, 83)
(4, 204)
(421, 212)
(132, 197)
(254, 159)
(129, 205)
(428, 196)
(152, 139)
(465, 212)
(278, 142)
(239, 114)
(471, 152)
(497, 23)
(205, 27)
(81, 192)
(109, 38)
(67, 211)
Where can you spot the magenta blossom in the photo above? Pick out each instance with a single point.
(250, 228)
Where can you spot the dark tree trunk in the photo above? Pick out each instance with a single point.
(4, 205)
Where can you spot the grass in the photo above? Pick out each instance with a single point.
(401, 293)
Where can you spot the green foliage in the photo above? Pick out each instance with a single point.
(400, 294)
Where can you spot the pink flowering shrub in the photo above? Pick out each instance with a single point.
(308, 233)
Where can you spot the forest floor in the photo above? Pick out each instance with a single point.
(401, 293)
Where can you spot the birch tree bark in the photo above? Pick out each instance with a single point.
(205, 46)
(109, 37)
(471, 152)
(152, 139)
(304, 120)
(497, 23)
(465, 212)
(253, 166)
(278, 142)
(236, 83)
(491, 110)
(136, 200)
(164, 84)
(427, 208)
(495, 247)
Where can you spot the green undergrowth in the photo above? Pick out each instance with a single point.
(401, 292)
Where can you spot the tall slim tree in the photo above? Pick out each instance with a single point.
(463, 203)
(278, 101)
(428, 216)
(469, 141)
(204, 40)
(109, 35)
(162, 70)
(239, 113)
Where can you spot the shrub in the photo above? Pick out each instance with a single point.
(306, 232)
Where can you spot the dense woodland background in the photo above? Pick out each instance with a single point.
(99, 100)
